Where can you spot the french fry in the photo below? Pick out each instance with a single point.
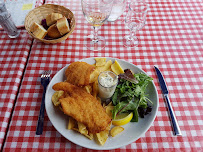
(109, 110)
(94, 76)
(55, 97)
(88, 88)
(60, 107)
(95, 89)
(72, 123)
(104, 67)
(110, 104)
(102, 137)
(100, 61)
(107, 65)
(82, 128)
(109, 126)
(90, 136)
(116, 130)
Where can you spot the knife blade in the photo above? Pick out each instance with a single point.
(175, 126)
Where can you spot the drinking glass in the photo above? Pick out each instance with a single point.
(135, 20)
(117, 10)
(96, 12)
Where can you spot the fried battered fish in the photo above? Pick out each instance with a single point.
(78, 73)
(83, 107)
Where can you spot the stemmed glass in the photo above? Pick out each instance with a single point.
(96, 12)
(135, 20)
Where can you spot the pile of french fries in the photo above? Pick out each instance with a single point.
(100, 65)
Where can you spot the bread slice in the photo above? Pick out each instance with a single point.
(53, 32)
(38, 30)
(52, 18)
(34, 27)
(63, 25)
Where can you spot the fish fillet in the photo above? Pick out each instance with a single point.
(83, 107)
(78, 73)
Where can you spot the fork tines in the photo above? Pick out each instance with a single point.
(46, 73)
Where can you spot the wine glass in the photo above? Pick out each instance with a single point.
(135, 20)
(96, 12)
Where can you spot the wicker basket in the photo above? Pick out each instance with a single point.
(39, 13)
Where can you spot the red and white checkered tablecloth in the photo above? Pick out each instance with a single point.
(13, 58)
(171, 39)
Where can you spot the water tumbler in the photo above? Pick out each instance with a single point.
(6, 21)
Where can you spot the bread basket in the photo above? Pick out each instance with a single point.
(40, 13)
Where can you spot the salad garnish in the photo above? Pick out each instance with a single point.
(130, 95)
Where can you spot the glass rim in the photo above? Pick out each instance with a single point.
(85, 1)
(144, 4)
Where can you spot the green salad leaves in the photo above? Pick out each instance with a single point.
(130, 95)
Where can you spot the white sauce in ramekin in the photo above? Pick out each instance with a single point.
(107, 84)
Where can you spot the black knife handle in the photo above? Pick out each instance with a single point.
(176, 128)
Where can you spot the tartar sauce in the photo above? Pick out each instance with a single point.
(107, 84)
(107, 81)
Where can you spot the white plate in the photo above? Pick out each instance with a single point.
(133, 130)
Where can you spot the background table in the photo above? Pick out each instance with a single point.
(171, 39)
(13, 59)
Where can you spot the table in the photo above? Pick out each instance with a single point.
(13, 58)
(171, 39)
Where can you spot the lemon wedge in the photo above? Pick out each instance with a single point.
(122, 119)
(116, 68)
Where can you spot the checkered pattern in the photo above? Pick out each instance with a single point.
(171, 39)
(13, 58)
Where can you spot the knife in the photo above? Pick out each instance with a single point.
(176, 128)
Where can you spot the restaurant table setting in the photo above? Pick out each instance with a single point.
(169, 46)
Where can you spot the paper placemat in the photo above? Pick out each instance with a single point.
(19, 9)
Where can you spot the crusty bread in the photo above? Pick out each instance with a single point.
(58, 26)
(38, 30)
(53, 32)
(34, 27)
(52, 18)
(63, 25)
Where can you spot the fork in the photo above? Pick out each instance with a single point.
(45, 78)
